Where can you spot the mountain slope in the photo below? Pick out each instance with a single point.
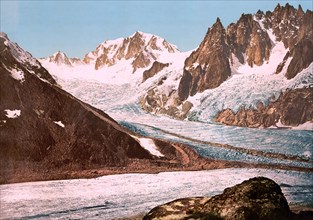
(42, 125)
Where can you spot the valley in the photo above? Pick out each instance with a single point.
(100, 137)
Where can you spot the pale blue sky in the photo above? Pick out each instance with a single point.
(77, 27)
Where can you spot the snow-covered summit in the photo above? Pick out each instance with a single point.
(139, 48)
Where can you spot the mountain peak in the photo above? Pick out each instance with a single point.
(141, 49)
(60, 58)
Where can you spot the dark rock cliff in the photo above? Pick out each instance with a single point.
(53, 129)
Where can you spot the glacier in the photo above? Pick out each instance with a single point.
(125, 195)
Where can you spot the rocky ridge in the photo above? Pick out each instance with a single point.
(256, 198)
(254, 42)
(248, 41)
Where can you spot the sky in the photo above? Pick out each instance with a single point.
(78, 27)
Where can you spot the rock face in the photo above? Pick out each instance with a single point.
(42, 126)
(140, 49)
(247, 37)
(258, 198)
(208, 66)
(292, 108)
(156, 67)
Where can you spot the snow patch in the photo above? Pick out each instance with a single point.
(149, 145)
(305, 126)
(18, 75)
(59, 123)
(13, 113)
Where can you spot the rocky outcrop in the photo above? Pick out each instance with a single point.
(142, 49)
(257, 198)
(208, 66)
(156, 67)
(165, 103)
(302, 57)
(294, 28)
(292, 108)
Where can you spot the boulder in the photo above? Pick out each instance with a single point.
(258, 198)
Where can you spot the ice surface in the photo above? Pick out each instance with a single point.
(13, 113)
(114, 196)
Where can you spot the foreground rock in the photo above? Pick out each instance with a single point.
(292, 108)
(257, 198)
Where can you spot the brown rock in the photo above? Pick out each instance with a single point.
(156, 67)
(208, 66)
(292, 108)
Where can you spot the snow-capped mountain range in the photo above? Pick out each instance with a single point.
(249, 62)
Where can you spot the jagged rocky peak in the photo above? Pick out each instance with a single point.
(140, 48)
(208, 66)
(246, 38)
(300, 38)
(285, 22)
